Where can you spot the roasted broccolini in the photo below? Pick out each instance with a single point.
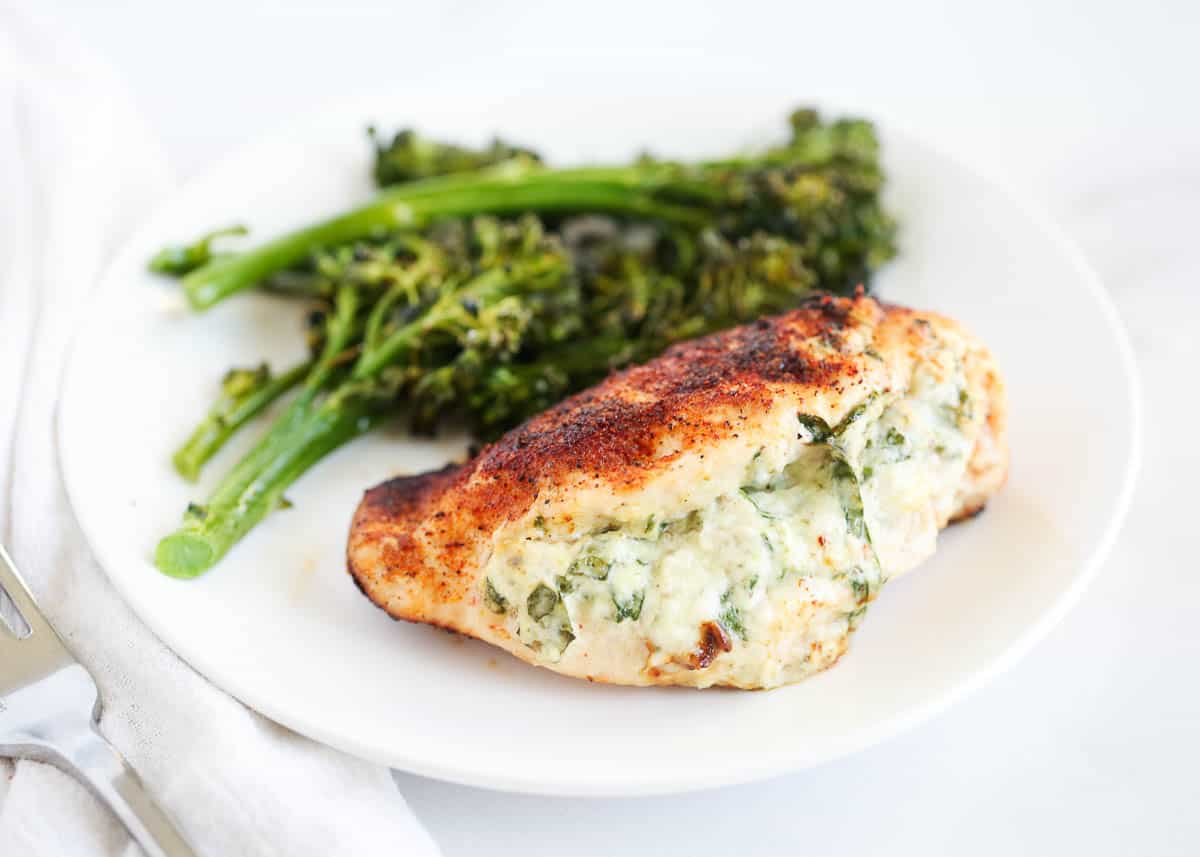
(429, 308)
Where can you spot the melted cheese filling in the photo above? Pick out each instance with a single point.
(771, 576)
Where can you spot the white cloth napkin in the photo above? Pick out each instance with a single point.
(77, 168)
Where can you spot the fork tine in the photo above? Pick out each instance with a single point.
(26, 661)
(16, 590)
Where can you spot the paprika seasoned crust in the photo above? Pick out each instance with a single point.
(648, 474)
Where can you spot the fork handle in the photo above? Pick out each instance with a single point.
(106, 773)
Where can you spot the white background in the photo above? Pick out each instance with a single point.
(1092, 744)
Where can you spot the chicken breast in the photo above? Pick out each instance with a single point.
(722, 515)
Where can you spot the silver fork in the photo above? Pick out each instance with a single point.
(49, 706)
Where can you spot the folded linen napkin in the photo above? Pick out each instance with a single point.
(78, 167)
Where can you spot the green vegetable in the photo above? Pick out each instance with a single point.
(730, 617)
(547, 609)
(630, 608)
(339, 400)
(749, 492)
(484, 322)
(865, 584)
(244, 394)
(820, 430)
(634, 307)
(592, 566)
(961, 410)
(851, 418)
(180, 259)
(492, 599)
(820, 190)
(541, 602)
(409, 156)
(850, 496)
(817, 428)
(417, 205)
(865, 581)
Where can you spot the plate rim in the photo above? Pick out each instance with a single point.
(658, 783)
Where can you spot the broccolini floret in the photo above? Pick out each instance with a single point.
(408, 156)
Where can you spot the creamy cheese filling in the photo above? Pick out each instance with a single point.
(771, 575)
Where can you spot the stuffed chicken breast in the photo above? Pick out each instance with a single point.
(722, 515)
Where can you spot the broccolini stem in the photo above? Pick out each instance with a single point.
(304, 434)
(180, 259)
(257, 486)
(248, 392)
(624, 191)
(229, 414)
(324, 416)
(343, 328)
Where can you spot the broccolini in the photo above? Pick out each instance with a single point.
(430, 308)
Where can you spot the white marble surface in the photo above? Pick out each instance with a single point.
(1091, 744)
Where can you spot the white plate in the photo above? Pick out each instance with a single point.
(279, 624)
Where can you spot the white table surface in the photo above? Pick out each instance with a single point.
(1092, 744)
